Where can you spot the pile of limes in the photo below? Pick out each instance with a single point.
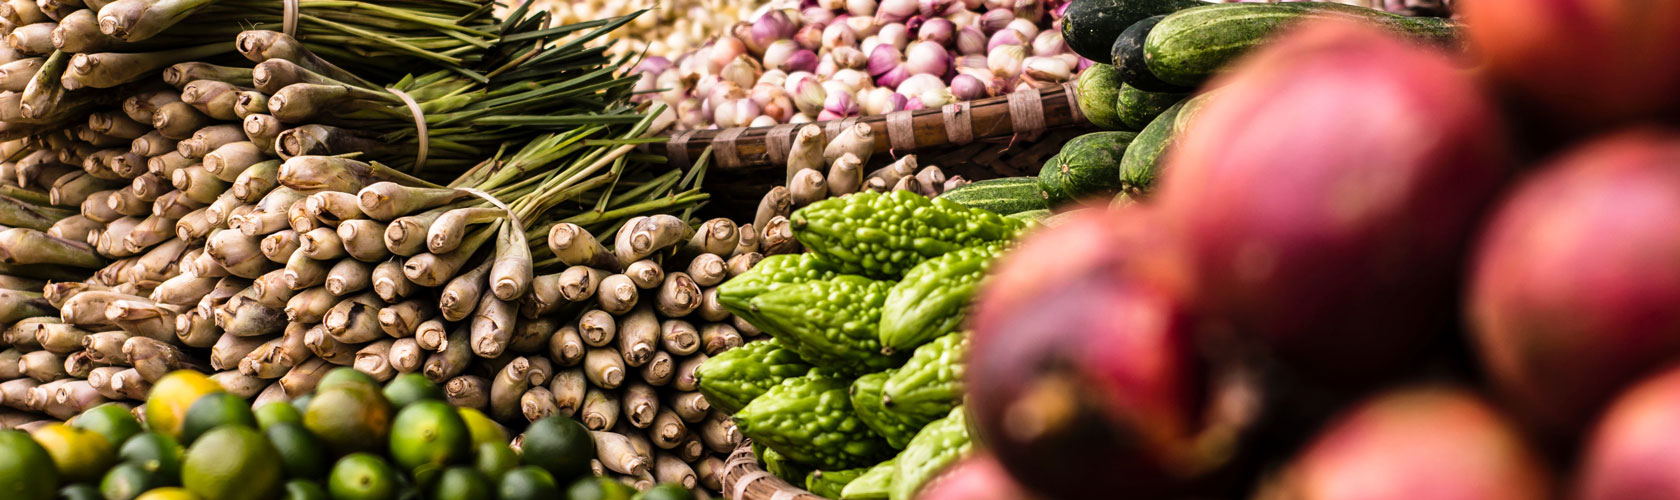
(349, 440)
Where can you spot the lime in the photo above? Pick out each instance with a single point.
(231, 462)
(301, 403)
(560, 445)
(26, 469)
(166, 406)
(495, 459)
(127, 481)
(302, 489)
(599, 488)
(80, 455)
(348, 419)
(667, 491)
(81, 491)
(429, 432)
(169, 493)
(155, 453)
(345, 377)
(462, 483)
(215, 410)
(410, 387)
(527, 483)
(110, 420)
(363, 476)
(483, 429)
(301, 455)
(276, 412)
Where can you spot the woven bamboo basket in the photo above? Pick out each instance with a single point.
(1002, 136)
(744, 479)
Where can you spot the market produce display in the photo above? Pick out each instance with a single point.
(836, 59)
(350, 438)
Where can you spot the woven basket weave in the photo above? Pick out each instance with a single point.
(744, 479)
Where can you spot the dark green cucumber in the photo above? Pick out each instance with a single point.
(1137, 108)
(1099, 88)
(1127, 53)
(1050, 188)
(1142, 160)
(1006, 196)
(1090, 26)
(1192, 45)
(1086, 166)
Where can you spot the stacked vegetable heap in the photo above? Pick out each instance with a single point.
(350, 439)
(1363, 272)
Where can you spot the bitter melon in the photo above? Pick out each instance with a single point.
(869, 401)
(930, 384)
(770, 274)
(885, 234)
(832, 324)
(810, 420)
(872, 485)
(829, 483)
(939, 445)
(734, 377)
(933, 297)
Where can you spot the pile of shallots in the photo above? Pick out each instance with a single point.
(840, 58)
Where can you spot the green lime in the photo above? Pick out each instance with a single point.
(110, 420)
(667, 491)
(345, 377)
(81, 456)
(155, 453)
(483, 429)
(527, 483)
(169, 493)
(276, 412)
(80, 491)
(599, 488)
(166, 405)
(462, 483)
(301, 403)
(560, 445)
(301, 455)
(26, 469)
(231, 462)
(429, 432)
(363, 476)
(127, 481)
(303, 489)
(495, 459)
(410, 387)
(215, 410)
(349, 420)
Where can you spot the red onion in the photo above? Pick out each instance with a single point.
(893, 11)
(838, 35)
(914, 104)
(860, 7)
(810, 37)
(770, 27)
(927, 58)
(776, 55)
(1026, 26)
(895, 34)
(816, 16)
(848, 57)
(996, 19)
(1005, 37)
(933, 8)
(937, 30)
(971, 41)
(803, 60)
(883, 59)
(724, 50)
(972, 5)
(918, 84)
(1049, 43)
(893, 77)
(967, 88)
(653, 64)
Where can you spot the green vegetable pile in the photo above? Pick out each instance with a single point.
(866, 358)
(349, 439)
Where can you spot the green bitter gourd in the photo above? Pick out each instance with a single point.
(810, 420)
(933, 297)
(884, 235)
(734, 377)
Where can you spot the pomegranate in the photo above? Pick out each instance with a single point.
(1635, 451)
(1577, 278)
(1435, 443)
(1085, 370)
(1588, 63)
(1323, 198)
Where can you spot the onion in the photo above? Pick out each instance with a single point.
(970, 40)
(860, 7)
(810, 37)
(894, 33)
(690, 114)
(768, 28)
(883, 59)
(1027, 28)
(855, 79)
(763, 93)
(862, 25)
(816, 16)
(967, 88)
(776, 55)
(893, 11)
(803, 60)
(1047, 69)
(653, 64)
(838, 35)
(808, 94)
(735, 113)
(933, 8)
(774, 77)
(963, 18)
(762, 121)
(725, 49)
(937, 30)
(838, 105)
(996, 19)
(743, 71)
(919, 84)
(1006, 61)
(848, 57)
(1005, 37)
(780, 108)
(893, 77)
(935, 98)
(875, 100)
(1049, 43)
(801, 118)
(703, 85)
(826, 66)
(927, 58)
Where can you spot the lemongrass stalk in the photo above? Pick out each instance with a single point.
(149, 232)
(136, 20)
(210, 138)
(432, 269)
(194, 226)
(389, 282)
(32, 39)
(239, 254)
(256, 181)
(645, 273)
(678, 337)
(493, 324)
(142, 106)
(388, 200)
(178, 120)
(22, 12)
(640, 404)
(251, 102)
(600, 408)
(575, 246)
(447, 233)
(302, 379)
(24, 246)
(638, 336)
(167, 163)
(349, 276)
(98, 164)
(315, 139)
(451, 357)
(708, 269)
(262, 45)
(616, 294)
(406, 355)
(15, 75)
(311, 173)
(467, 391)
(507, 386)
(110, 69)
(298, 216)
(153, 358)
(777, 202)
(374, 360)
(246, 317)
(182, 75)
(263, 129)
(59, 338)
(17, 214)
(147, 187)
(354, 320)
(333, 207)
(659, 370)
(228, 350)
(41, 96)
(544, 297)
(778, 237)
(183, 289)
(598, 328)
(321, 244)
(604, 367)
(304, 272)
(537, 403)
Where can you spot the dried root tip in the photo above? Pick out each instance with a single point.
(467, 391)
(778, 237)
(643, 236)
(678, 296)
(741, 263)
(776, 203)
(710, 309)
(605, 367)
(617, 294)
(645, 273)
(807, 187)
(858, 140)
(566, 346)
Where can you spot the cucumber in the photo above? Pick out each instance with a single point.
(1050, 188)
(1031, 215)
(1192, 45)
(1090, 26)
(1137, 108)
(1099, 90)
(1140, 165)
(1009, 195)
(1127, 53)
(1086, 166)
